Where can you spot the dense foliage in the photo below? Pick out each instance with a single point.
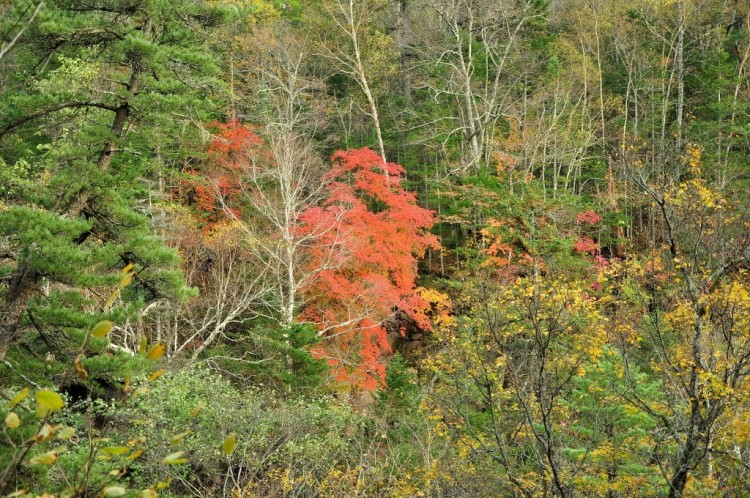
(381, 248)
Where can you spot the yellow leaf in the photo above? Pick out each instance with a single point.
(41, 411)
(197, 409)
(137, 440)
(156, 351)
(111, 299)
(148, 493)
(156, 375)
(79, 368)
(18, 398)
(102, 328)
(179, 437)
(230, 443)
(125, 281)
(12, 421)
(44, 459)
(51, 401)
(69, 493)
(127, 269)
(134, 455)
(115, 450)
(175, 458)
(126, 276)
(16, 494)
(164, 484)
(45, 432)
(114, 491)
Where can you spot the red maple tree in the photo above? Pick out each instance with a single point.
(356, 250)
(367, 265)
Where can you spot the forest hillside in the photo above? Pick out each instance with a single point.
(374, 248)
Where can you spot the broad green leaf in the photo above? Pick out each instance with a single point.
(175, 458)
(12, 421)
(230, 443)
(102, 328)
(18, 398)
(51, 401)
(66, 433)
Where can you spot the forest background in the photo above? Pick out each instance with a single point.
(346, 248)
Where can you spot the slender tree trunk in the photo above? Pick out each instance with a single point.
(361, 76)
(680, 73)
(404, 42)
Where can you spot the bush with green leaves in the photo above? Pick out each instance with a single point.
(196, 410)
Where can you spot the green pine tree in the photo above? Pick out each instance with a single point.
(98, 99)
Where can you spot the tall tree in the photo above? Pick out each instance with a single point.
(108, 89)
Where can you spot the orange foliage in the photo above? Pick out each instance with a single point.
(367, 260)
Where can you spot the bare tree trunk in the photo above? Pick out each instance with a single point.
(680, 73)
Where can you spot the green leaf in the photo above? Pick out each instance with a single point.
(66, 433)
(230, 444)
(49, 400)
(102, 328)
